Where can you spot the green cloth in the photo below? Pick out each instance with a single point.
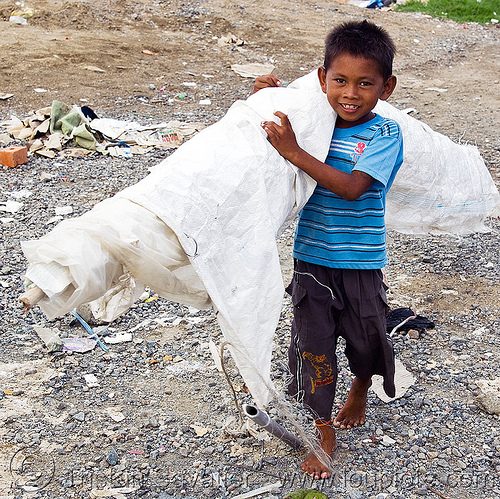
(84, 138)
(69, 121)
(57, 111)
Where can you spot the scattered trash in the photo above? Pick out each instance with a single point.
(25, 12)
(91, 380)
(230, 39)
(115, 415)
(17, 20)
(205, 102)
(90, 331)
(403, 379)
(272, 487)
(148, 52)
(404, 319)
(23, 193)
(50, 337)
(437, 89)
(55, 130)
(63, 210)
(95, 69)
(252, 70)
(79, 345)
(6, 96)
(117, 492)
(199, 430)
(216, 355)
(118, 338)
(371, 4)
(40, 90)
(10, 206)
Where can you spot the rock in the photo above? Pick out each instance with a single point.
(413, 334)
(79, 416)
(112, 457)
(387, 440)
(489, 398)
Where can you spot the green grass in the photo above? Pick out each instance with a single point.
(482, 11)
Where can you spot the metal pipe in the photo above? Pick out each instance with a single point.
(263, 419)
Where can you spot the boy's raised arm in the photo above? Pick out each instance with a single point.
(348, 186)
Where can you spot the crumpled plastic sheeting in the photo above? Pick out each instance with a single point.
(92, 258)
(441, 187)
(226, 194)
(222, 199)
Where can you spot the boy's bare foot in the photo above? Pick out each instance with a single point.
(354, 410)
(312, 465)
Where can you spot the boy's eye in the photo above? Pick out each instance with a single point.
(365, 83)
(339, 80)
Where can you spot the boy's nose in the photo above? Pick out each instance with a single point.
(351, 91)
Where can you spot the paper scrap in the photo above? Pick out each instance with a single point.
(402, 380)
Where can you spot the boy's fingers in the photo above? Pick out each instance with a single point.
(271, 80)
(267, 81)
(283, 117)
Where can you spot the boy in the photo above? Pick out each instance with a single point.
(340, 243)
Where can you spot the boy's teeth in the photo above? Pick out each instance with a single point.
(349, 106)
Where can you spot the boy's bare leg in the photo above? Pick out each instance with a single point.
(354, 410)
(312, 465)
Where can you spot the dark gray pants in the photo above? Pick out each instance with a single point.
(329, 303)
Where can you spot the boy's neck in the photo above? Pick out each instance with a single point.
(340, 123)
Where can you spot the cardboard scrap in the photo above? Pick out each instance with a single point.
(50, 338)
(402, 380)
(55, 130)
(252, 70)
(116, 492)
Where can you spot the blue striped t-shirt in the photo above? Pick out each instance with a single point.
(351, 234)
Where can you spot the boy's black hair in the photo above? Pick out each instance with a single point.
(363, 39)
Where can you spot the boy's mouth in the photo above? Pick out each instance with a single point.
(349, 106)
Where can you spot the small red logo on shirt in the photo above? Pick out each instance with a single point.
(360, 147)
(358, 151)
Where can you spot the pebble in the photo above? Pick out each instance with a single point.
(79, 416)
(112, 457)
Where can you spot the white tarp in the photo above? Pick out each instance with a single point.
(226, 194)
(201, 228)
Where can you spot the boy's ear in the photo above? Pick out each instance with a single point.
(389, 87)
(322, 78)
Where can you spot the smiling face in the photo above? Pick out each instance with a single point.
(353, 85)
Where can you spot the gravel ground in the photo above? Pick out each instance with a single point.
(161, 421)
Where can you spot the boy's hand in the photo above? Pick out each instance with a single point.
(266, 81)
(282, 137)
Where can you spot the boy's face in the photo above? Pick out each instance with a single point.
(353, 85)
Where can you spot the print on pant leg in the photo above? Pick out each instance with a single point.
(294, 351)
(322, 368)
